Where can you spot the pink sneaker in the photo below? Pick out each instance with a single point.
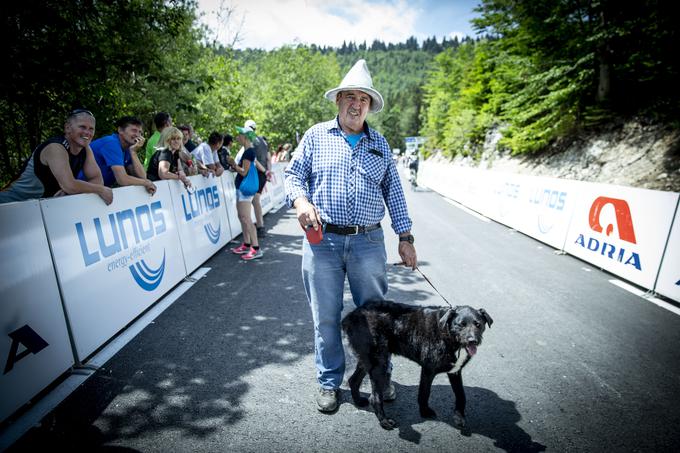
(252, 254)
(241, 249)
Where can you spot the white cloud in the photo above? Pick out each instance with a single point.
(269, 24)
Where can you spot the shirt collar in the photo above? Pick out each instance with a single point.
(335, 124)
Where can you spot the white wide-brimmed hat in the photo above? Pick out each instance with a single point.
(358, 78)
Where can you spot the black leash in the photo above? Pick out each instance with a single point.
(428, 281)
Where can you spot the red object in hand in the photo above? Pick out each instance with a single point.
(313, 236)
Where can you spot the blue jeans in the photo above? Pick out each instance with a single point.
(363, 260)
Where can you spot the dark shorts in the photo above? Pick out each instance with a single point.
(262, 177)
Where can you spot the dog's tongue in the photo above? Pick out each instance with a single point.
(471, 349)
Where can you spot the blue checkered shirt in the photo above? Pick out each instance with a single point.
(348, 186)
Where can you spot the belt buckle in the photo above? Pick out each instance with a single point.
(356, 230)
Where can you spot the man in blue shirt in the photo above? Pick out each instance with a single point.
(116, 155)
(340, 179)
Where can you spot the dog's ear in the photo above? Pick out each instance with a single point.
(446, 319)
(486, 316)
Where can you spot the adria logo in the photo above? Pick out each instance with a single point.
(624, 225)
(624, 221)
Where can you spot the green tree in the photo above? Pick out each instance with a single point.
(115, 58)
(284, 91)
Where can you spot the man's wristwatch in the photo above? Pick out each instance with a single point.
(408, 238)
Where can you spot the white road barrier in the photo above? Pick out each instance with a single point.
(201, 218)
(623, 230)
(113, 261)
(93, 269)
(35, 345)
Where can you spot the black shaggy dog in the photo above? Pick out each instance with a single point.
(438, 339)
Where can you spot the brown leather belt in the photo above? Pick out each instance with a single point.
(349, 230)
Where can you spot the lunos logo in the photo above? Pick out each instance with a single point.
(125, 231)
(197, 204)
(624, 228)
(551, 203)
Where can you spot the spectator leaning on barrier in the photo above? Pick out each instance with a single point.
(263, 157)
(161, 120)
(116, 155)
(340, 179)
(188, 133)
(53, 167)
(206, 153)
(250, 248)
(190, 166)
(165, 162)
(225, 150)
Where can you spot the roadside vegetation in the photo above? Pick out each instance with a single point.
(538, 69)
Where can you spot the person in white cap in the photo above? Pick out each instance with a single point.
(264, 158)
(340, 179)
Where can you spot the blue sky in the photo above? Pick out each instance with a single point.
(269, 24)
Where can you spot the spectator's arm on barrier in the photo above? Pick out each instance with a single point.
(55, 156)
(165, 173)
(90, 168)
(219, 169)
(124, 179)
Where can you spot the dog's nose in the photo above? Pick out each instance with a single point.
(472, 341)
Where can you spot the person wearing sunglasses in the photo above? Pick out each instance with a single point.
(53, 167)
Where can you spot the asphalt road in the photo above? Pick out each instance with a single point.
(571, 363)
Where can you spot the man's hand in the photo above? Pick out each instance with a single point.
(106, 194)
(307, 213)
(407, 252)
(150, 186)
(186, 181)
(139, 142)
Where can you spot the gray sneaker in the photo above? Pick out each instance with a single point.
(390, 393)
(327, 399)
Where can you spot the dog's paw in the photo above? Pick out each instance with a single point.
(361, 401)
(458, 420)
(427, 412)
(388, 423)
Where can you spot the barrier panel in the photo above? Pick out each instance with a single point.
(230, 203)
(266, 200)
(622, 230)
(668, 282)
(539, 207)
(278, 192)
(112, 262)
(201, 217)
(35, 346)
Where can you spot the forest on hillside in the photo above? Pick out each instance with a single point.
(539, 70)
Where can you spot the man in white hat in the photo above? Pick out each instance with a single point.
(340, 179)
